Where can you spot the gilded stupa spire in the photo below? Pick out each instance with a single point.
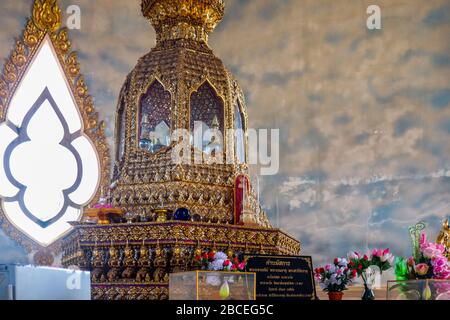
(183, 19)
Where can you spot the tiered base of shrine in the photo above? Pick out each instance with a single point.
(133, 261)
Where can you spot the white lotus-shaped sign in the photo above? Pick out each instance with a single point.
(48, 168)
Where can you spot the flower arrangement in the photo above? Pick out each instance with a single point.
(361, 264)
(382, 258)
(205, 259)
(335, 277)
(428, 262)
(219, 261)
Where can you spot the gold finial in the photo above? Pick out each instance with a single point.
(230, 251)
(198, 249)
(47, 15)
(183, 19)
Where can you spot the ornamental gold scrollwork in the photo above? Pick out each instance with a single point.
(206, 13)
(47, 15)
(46, 20)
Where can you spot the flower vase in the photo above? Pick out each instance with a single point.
(335, 296)
(224, 290)
(368, 277)
(368, 293)
(426, 291)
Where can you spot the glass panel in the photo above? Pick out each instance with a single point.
(207, 119)
(239, 133)
(210, 285)
(122, 127)
(427, 289)
(154, 118)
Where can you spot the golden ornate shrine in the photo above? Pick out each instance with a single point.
(179, 82)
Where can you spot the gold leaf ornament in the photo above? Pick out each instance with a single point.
(47, 15)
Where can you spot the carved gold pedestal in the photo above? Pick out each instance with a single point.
(154, 250)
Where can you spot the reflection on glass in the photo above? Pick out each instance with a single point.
(239, 133)
(207, 124)
(212, 139)
(154, 133)
(122, 128)
(155, 140)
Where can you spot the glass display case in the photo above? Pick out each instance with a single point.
(43, 283)
(212, 285)
(426, 289)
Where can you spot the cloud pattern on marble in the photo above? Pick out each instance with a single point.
(364, 115)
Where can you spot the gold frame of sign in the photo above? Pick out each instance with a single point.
(207, 285)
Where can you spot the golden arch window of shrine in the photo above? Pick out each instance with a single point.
(207, 117)
(154, 118)
(239, 127)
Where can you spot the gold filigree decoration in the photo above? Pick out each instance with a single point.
(46, 20)
(47, 15)
(183, 19)
(163, 247)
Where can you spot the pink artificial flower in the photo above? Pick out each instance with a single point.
(429, 252)
(328, 267)
(411, 261)
(241, 266)
(422, 269)
(440, 262)
(445, 274)
(432, 250)
(438, 270)
(423, 239)
(387, 257)
(375, 252)
(102, 206)
(353, 255)
(440, 248)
